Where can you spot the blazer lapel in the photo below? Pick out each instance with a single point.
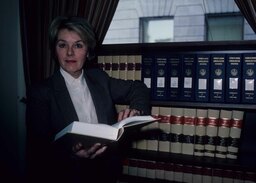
(63, 99)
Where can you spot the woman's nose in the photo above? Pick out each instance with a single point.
(70, 51)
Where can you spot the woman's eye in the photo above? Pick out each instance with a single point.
(79, 45)
(61, 45)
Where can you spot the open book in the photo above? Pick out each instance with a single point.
(89, 134)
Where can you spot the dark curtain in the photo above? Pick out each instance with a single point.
(35, 19)
(248, 9)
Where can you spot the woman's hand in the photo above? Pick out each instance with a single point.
(127, 113)
(91, 153)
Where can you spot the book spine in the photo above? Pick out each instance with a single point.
(233, 78)
(115, 66)
(123, 67)
(147, 71)
(133, 167)
(176, 129)
(175, 73)
(178, 172)
(152, 136)
(223, 133)
(160, 78)
(206, 174)
(100, 62)
(142, 168)
(228, 176)
(160, 170)
(217, 175)
(200, 132)
(197, 174)
(217, 88)
(188, 131)
(211, 132)
(108, 64)
(249, 76)
(131, 67)
(187, 173)
(151, 169)
(165, 127)
(125, 169)
(235, 133)
(202, 78)
(138, 67)
(188, 77)
(169, 171)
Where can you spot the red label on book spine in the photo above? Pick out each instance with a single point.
(189, 120)
(212, 121)
(201, 121)
(177, 120)
(236, 123)
(165, 118)
(223, 122)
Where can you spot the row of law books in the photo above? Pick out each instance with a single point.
(225, 77)
(184, 173)
(213, 77)
(192, 131)
(127, 67)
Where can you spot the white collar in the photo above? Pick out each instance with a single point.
(70, 80)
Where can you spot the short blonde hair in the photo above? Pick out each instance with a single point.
(78, 24)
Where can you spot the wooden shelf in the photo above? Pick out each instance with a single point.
(204, 105)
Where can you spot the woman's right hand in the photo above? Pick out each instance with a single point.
(96, 150)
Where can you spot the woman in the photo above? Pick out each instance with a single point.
(76, 93)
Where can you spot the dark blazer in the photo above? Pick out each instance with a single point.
(50, 108)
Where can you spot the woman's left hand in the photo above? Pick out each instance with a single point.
(127, 113)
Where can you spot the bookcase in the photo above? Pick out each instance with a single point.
(219, 169)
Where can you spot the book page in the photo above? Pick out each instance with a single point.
(134, 120)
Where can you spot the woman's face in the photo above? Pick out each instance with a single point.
(71, 52)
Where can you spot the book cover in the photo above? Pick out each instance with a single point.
(202, 77)
(217, 79)
(188, 77)
(233, 78)
(174, 74)
(160, 78)
(90, 133)
(249, 76)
